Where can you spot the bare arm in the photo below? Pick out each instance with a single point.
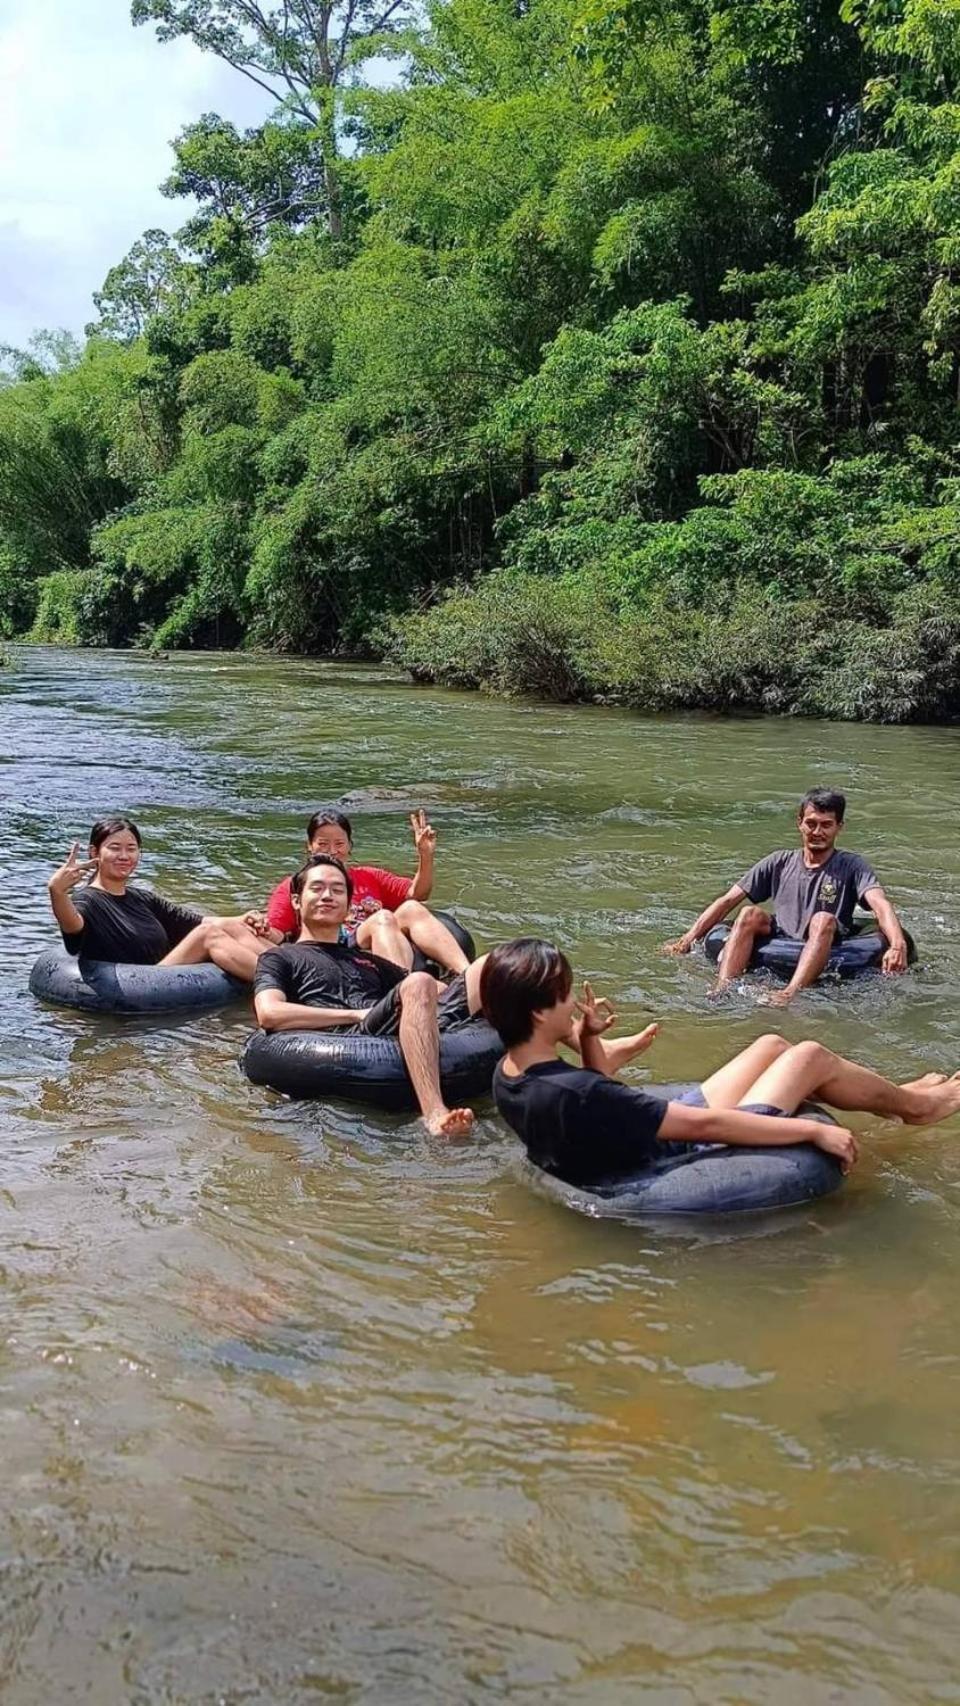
(425, 841)
(715, 913)
(895, 958)
(758, 1131)
(275, 1013)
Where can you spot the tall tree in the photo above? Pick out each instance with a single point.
(151, 277)
(302, 53)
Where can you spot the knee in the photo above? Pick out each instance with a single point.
(823, 926)
(418, 990)
(409, 911)
(811, 1054)
(773, 1043)
(751, 918)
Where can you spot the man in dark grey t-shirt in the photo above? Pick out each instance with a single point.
(814, 890)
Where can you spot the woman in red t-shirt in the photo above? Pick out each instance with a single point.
(387, 915)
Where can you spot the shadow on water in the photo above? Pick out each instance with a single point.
(303, 1404)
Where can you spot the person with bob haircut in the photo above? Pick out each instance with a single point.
(814, 889)
(386, 912)
(580, 1124)
(113, 918)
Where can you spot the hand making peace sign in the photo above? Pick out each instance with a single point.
(71, 871)
(424, 835)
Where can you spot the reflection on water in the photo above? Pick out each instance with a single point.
(300, 1404)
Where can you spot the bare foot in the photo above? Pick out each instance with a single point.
(777, 998)
(925, 1082)
(621, 1050)
(935, 1102)
(449, 1122)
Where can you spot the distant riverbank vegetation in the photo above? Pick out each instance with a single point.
(587, 348)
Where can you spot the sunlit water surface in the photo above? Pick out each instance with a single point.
(299, 1404)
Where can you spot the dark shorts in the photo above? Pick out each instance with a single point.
(695, 1098)
(779, 935)
(383, 1020)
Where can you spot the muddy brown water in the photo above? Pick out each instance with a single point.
(300, 1405)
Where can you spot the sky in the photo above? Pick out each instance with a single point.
(88, 109)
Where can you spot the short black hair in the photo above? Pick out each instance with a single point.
(520, 979)
(107, 826)
(824, 800)
(329, 814)
(299, 877)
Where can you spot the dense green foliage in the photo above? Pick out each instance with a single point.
(613, 350)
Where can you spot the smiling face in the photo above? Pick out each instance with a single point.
(117, 856)
(818, 830)
(323, 901)
(329, 838)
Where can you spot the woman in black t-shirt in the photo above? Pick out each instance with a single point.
(108, 920)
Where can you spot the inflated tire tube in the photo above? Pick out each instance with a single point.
(357, 1068)
(718, 1180)
(860, 952)
(103, 986)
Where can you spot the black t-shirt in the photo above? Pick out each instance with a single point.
(326, 974)
(137, 928)
(579, 1125)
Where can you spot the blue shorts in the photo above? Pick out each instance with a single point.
(695, 1098)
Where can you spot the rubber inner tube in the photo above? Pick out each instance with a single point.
(715, 1180)
(859, 952)
(103, 986)
(319, 1065)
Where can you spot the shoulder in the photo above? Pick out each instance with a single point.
(374, 876)
(855, 861)
(282, 888)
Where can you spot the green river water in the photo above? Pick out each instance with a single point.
(300, 1405)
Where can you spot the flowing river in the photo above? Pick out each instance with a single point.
(301, 1405)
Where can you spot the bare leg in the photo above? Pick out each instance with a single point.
(381, 934)
(809, 1069)
(621, 1050)
(816, 952)
(226, 942)
(749, 923)
(431, 936)
(420, 1047)
(727, 1087)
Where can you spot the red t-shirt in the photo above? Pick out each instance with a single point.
(372, 889)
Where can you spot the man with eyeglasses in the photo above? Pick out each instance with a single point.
(322, 982)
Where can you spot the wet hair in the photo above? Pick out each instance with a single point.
(328, 814)
(520, 979)
(299, 877)
(824, 800)
(107, 826)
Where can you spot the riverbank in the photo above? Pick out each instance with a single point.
(574, 640)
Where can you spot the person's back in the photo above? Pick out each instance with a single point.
(578, 1125)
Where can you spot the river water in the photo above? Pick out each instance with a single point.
(301, 1405)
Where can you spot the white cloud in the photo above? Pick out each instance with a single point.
(88, 109)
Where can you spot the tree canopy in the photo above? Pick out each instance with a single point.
(594, 351)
